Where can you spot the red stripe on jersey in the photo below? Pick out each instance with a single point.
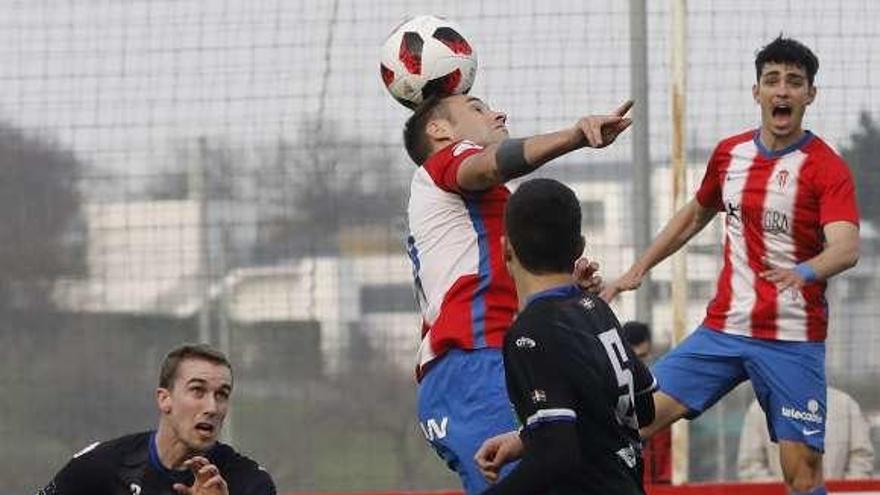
(454, 324)
(716, 311)
(709, 196)
(764, 311)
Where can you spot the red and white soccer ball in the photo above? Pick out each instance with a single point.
(427, 55)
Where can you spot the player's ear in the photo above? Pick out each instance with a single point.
(507, 249)
(755, 93)
(439, 129)
(163, 400)
(811, 94)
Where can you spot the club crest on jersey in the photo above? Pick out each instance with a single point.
(782, 179)
(587, 303)
(538, 396)
(464, 146)
(525, 343)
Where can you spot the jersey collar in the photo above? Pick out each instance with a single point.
(800, 143)
(561, 291)
(156, 463)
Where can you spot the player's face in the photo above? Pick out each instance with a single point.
(473, 120)
(197, 404)
(784, 93)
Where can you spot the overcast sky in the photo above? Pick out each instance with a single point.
(122, 81)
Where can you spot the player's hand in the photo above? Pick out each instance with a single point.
(496, 452)
(208, 480)
(785, 280)
(602, 130)
(628, 281)
(586, 275)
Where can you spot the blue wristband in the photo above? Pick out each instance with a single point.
(806, 271)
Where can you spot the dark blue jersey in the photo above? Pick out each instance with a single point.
(129, 466)
(579, 393)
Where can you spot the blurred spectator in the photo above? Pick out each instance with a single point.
(848, 450)
(657, 453)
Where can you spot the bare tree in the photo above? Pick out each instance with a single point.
(321, 183)
(40, 221)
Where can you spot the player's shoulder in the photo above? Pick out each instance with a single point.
(455, 150)
(112, 450)
(98, 461)
(728, 143)
(555, 318)
(824, 152)
(241, 472)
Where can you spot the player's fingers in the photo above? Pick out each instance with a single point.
(210, 469)
(182, 489)
(485, 453)
(612, 130)
(593, 285)
(196, 462)
(623, 109)
(490, 475)
(215, 482)
(584, 268)
(585, 273)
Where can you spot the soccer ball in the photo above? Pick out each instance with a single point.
(424, 56)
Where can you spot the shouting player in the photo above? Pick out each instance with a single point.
(791, 224)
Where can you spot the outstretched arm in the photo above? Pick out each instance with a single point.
(513, 158)
(685, 224)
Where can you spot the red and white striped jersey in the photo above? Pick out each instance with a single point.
(466, 297)
(776, 203)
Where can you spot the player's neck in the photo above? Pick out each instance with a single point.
(775, 142)
(172, 452)
(528, 284)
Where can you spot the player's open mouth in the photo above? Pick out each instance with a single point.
(782, 110)
(205, 428)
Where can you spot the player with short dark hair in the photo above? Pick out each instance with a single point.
(578, 390)
(792, 222)
(466, 297)
(182, 455)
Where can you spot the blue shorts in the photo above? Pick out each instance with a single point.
(788, 378)
(462, 402)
